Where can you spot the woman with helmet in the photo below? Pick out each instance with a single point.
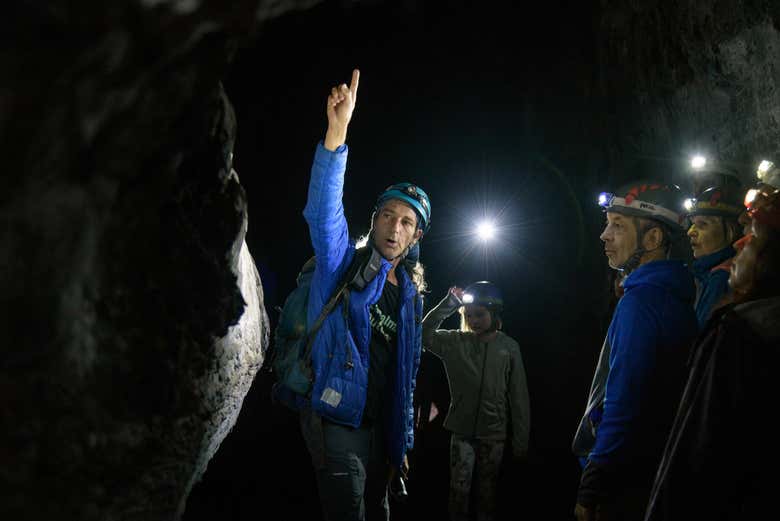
(358, 420)
(713, 215)
(641, 369)
(488, 387)
(721, 458)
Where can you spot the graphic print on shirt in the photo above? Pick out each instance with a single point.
(383, 324)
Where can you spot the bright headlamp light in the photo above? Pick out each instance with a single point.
(605, 199)
(698, 162)
(763, 168)
(750, 196)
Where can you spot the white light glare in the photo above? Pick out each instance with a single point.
(602, 199)
(468, 298)
(698, 162)
(764, 167)
(688, 204)
(750, 196)
(486, 230)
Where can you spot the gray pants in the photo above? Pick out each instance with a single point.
(351, 468)
(467, 456)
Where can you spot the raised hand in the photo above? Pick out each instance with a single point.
(341, 103)
(457, 293)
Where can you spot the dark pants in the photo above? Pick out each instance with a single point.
(351, 468)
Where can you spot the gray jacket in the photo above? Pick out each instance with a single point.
(487, 380)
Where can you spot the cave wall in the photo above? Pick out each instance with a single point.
(133, 320)
(688, 76)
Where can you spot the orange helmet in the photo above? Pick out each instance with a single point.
(763, 206)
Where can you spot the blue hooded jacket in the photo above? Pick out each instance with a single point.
(639, 379)
(339, 391)
(712, 272)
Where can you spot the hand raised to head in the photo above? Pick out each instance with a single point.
(340, 105)
(457, 292)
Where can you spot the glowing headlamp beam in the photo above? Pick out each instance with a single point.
(764, 167)
(750, 196)
(468, 298)
(698, 162)
(486, 230)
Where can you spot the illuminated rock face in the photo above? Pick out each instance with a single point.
(690, 76)
(132, 313)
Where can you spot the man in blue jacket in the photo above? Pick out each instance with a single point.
(641, 369)
(358, 424)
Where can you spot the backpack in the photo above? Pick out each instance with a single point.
(291, 353)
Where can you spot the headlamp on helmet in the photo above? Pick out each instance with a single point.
(646, 199)
(750, 196)
(605, 199)
(763, 167)
(765, 208)
(768, 174)
(716, 201)
(412, 195)
(484, 293)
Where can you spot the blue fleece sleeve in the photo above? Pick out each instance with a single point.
(717, 286)
(324, 211)
(633, 337)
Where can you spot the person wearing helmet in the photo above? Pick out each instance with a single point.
(641, 368)
(706, 172)
(721, 459)
(767, 180)
(488, 387)
(714, 227)
(358, 423)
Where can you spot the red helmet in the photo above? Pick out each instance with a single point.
(764, 206)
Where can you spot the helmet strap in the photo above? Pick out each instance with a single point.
(635, 259)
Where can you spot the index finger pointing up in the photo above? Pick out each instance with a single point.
(353, 86)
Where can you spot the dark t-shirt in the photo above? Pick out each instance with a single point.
(382, 350)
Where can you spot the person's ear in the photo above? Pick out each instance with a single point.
(417, 235)
(653, 238)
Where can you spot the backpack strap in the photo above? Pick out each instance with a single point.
(342, 290)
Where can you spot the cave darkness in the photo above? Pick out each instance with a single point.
(486, 109)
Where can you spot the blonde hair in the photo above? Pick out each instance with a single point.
(464, 325)
(495, 319)
(417, 274)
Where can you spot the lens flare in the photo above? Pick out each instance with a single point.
(486, 230)
(698, 162)
(764, 167)
(750, 196)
